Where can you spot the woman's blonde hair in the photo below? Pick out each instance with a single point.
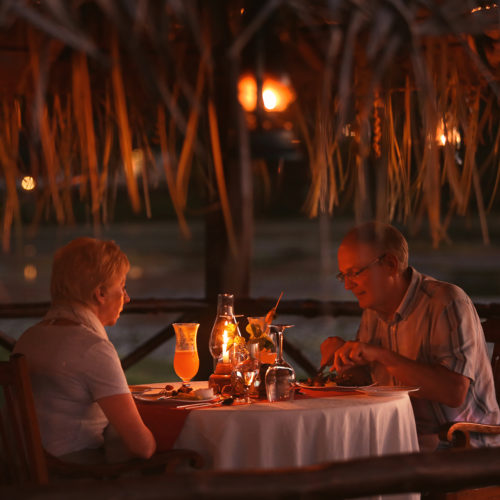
(83, 265)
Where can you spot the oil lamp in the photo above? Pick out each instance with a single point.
(224, 342)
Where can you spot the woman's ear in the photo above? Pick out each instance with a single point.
(100, 294)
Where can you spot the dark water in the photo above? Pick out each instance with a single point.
(296, 256)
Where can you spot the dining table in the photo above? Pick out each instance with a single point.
(316, 427)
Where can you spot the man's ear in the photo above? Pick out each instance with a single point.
(392, 262)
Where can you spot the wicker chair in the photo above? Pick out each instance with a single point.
(22, 457)
(458, 433)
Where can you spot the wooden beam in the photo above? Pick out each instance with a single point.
(7, 342)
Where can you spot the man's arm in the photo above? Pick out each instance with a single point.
(436, 382)
(123, 415)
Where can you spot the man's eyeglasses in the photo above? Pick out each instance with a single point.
(354, 274)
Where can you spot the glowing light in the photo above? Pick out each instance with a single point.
(450, 135)
(138, 160)
(270, 99)
(135, 272)
(30, 272)
(247, 93)
(348, 131)
(225, 353)
(276, 95)
(28, 183)
(486, 7)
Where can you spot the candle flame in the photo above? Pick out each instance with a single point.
(225, 354)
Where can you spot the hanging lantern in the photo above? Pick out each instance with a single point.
(277, 95)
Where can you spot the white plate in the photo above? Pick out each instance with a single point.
(172, 399)
(330, 388)
(388, 390)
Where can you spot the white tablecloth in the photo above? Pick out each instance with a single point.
(302, 432)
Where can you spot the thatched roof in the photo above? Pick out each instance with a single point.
(396, 102)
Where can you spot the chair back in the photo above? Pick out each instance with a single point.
(491, 328)
(22, 458)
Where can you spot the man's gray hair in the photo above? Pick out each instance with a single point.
(384, 237)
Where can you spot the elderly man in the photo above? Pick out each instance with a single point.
(414, 331)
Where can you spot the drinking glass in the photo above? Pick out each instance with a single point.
(248, 369)
(186, 361)
(280, 376)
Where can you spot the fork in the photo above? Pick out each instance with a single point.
(200, 405)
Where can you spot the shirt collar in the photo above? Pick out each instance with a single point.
(80, 314)
(406, 304)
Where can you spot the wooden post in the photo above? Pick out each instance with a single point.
(227, 270)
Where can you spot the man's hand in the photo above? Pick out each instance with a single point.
(329, 348)
(354, 353)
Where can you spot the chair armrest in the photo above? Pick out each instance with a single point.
(162, 462)
(458, 433)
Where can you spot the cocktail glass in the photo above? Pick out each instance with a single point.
(186, 361)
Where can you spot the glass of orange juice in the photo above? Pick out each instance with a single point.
(186, 361)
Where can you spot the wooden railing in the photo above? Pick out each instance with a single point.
(203, 311)
(431, 473)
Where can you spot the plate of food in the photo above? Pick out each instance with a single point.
(185, 395)
(350, 380)
(388, 390)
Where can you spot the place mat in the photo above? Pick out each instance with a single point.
(164, 422)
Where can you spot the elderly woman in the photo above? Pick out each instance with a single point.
(78, 382)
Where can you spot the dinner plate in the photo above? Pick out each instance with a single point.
(388, 390)
(330, 388)
(139, 389)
